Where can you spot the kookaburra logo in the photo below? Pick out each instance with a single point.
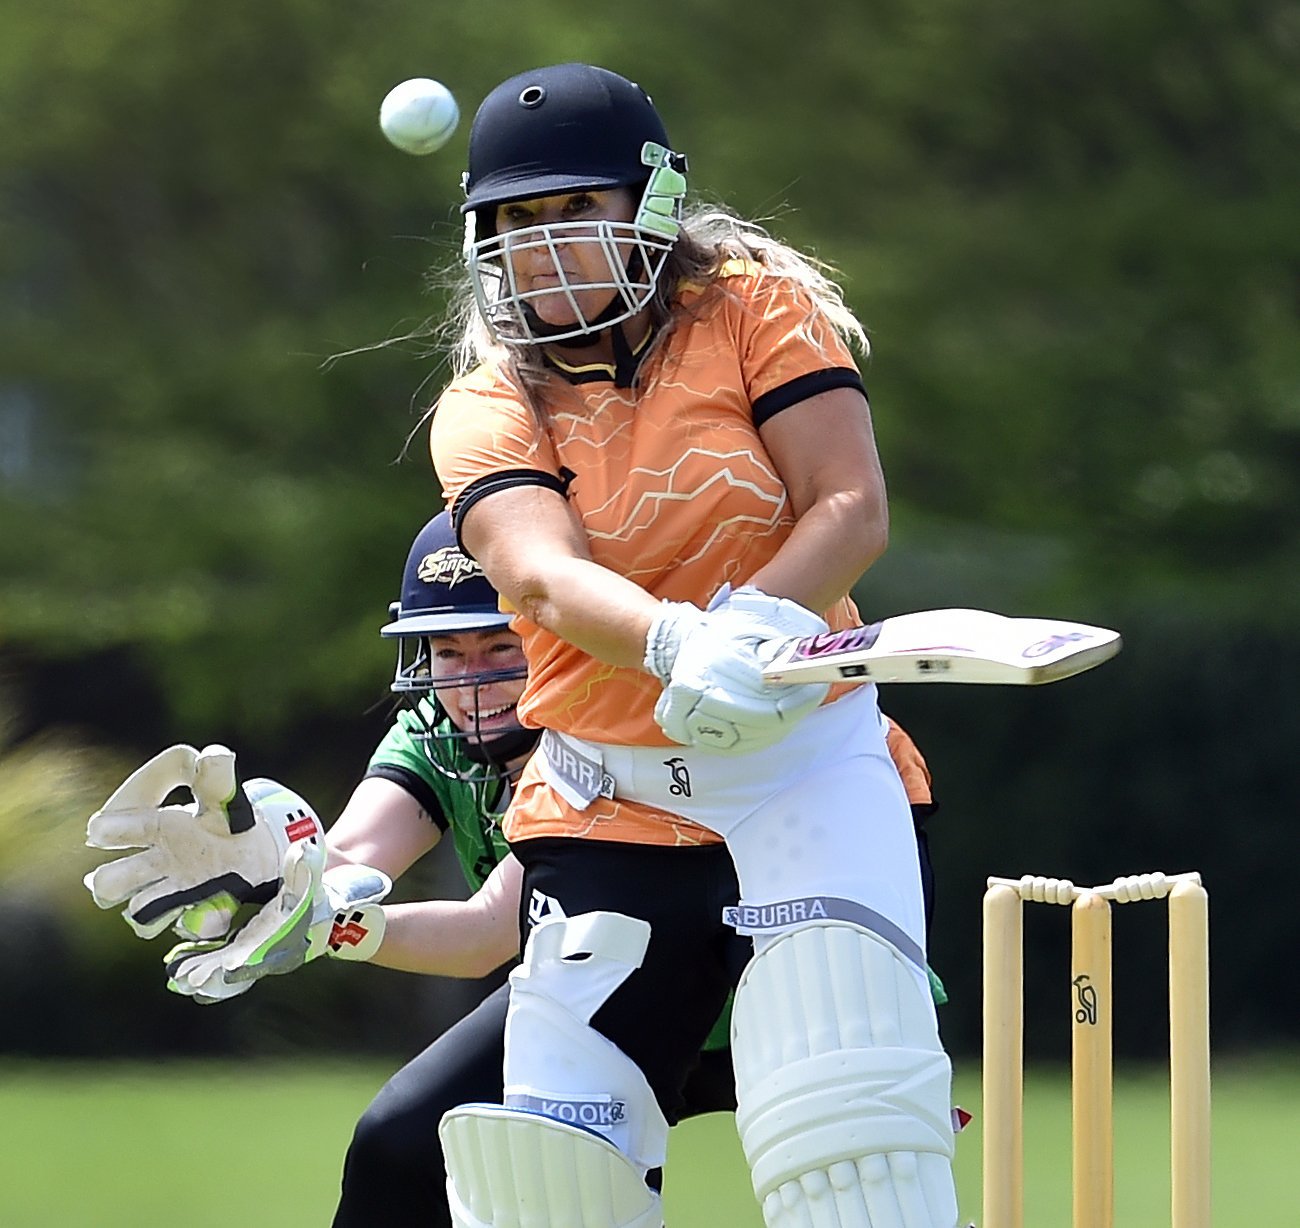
(681, 786)
(447, 566)
(1086, 999)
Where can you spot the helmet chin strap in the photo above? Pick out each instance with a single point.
(625, 358)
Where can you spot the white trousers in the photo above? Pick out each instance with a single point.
(821, 814)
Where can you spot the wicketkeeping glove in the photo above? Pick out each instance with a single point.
(711, 664)
(201, 862)
(316, 912)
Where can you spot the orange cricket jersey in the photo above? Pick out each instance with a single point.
(910, 763)
(674, 489)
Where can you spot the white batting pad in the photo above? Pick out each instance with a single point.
(555, 1062)
(843, 1087)
(509, 1168)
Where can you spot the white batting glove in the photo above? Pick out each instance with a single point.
(316, 912)
(770, 618)
(199, 863)
(711, 664)
(772, 621)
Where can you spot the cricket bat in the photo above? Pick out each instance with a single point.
(947, 646)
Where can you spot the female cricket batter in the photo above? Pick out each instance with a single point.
(447, 767)
(660, 450)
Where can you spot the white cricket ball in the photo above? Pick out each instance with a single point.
(419, 115)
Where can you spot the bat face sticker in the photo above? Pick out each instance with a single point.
(852, 639)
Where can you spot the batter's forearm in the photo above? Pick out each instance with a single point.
(828, 550)
(592, 608)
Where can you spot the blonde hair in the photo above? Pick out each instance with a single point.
(711, 239)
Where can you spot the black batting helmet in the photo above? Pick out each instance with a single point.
(569, 128)
(565, 128)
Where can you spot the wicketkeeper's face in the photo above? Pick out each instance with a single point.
(478, 677)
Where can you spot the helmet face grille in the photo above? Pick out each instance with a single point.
(625, 287)
(492, 748)
(633, 257)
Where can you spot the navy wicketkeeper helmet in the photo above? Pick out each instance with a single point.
(443, 589)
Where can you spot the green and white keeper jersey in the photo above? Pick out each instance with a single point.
(461, 795)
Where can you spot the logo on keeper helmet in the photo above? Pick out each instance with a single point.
(447, 566)
(443, 589)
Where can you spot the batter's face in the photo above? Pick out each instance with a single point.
(545, 262)
(461, 666)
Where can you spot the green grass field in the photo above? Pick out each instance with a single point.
(208, 1146)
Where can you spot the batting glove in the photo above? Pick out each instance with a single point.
(711, 666)
(199, 863)
(767, 617)
(316, 912)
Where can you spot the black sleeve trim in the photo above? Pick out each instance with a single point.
(772, 403)
(480, 488)
(416, 786)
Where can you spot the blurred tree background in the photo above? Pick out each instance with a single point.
(1071, 231)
